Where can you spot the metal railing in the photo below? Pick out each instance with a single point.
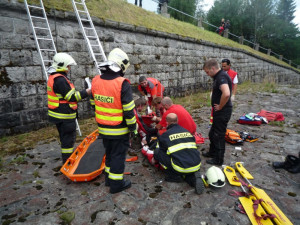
(252, 44)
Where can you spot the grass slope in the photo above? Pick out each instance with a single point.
(122, 11)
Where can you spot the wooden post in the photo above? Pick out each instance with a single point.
(200, 22)
(290, 62)
(280, 57)
(269, 52)
(241, 40)
(256, 47)
(225, 33)
(164, 10)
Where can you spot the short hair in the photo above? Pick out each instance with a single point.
(142, 78)
(172, 118)
(208, 64)
(226, 61)
(167, 101)
(140, 102)
(156, 101)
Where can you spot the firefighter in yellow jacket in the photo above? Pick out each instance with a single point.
(62, 102)
(112, 97)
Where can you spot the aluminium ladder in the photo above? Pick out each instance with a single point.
(89, 32)
(43, 38)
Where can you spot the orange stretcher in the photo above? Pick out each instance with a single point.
(88, 160)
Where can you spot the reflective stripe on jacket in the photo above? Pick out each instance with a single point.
(54, 99)
(180, 145)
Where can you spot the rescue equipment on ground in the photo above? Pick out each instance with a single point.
(252, 119)
(271, 116)
(233, 137)
(247, 136)
(259, 207)
(88, 160)
(215, 177)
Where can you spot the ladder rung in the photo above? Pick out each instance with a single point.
(91, 36)
(82, 11)
(78, 3)
(48, 50)
(41, 28)
(87, 20)
(37, 17)
(94, 45)
(46, 39)
(88, 28)
(34, 6)
(47, 60)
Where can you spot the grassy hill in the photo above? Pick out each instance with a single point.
(121, 11)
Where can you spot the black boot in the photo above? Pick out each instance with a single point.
(173, 177)
(65, 157)
(278, 165)
(118, 186)
(214, 161)
(208, 154)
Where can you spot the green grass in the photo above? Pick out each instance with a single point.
(121, 11)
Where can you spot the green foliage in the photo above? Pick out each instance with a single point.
(187, 6)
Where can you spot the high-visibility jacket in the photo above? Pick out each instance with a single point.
(55, 99)
(154, 87)
(180, 144)
(232, 74)
(109, 110)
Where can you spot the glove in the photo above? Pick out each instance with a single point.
(232, 97)
(146, 98)
(154, 118)
(134, 134)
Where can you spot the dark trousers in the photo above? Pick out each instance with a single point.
(217, 133)
(67, 134)
(115, 150)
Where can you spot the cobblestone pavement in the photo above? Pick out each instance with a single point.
(35, 192)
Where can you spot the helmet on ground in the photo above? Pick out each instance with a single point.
(61, 61)
(215, 177)
(117, 60)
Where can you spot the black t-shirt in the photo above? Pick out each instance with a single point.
(220, 78)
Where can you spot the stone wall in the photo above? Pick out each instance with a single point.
(176, 61)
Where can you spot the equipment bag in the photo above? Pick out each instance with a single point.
(233, 137)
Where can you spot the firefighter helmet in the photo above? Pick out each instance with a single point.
(215, 177)
(117, 60)
(61, 61)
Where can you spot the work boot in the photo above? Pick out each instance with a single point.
(65, 157)
(190, 179)
(208, 154)
(199, 185)
(278, 165)
(124, 184)
(214, 161)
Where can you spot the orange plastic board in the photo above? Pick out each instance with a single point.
(72, 165)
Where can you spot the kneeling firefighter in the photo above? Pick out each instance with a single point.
(177, 153)
(114, 105)
(62, 101)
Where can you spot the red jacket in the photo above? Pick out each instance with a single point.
(232, 74)
(184, 118)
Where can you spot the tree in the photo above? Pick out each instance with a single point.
(187, 6)
(286, 10)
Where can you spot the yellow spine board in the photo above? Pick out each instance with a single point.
(270, 206)
(248, 206)
(239, 166)
(231, 176)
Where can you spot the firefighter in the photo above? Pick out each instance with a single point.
(114, 105)
(150, 88)
(62, 102)
(177, 153)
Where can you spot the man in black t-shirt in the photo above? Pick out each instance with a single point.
(222, 109)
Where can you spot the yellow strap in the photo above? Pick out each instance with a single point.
(131, 121)
(115, 176)
(66, 150)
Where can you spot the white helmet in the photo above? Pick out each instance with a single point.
(61, 61)
(117, 60)
(215, 177)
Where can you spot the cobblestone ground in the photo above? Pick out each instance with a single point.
(35, 192)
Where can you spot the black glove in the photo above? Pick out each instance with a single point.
(134, 134)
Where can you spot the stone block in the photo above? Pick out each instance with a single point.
(18, 104)
(10, 41)
(16, 74)
(4, 57)
(20, 57)
(27, 89)
(34, 73)
(9, 120)
(6, 25)
(5, 106)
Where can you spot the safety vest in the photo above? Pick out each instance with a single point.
(107, 98)
(54, 99)
(232, 74)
